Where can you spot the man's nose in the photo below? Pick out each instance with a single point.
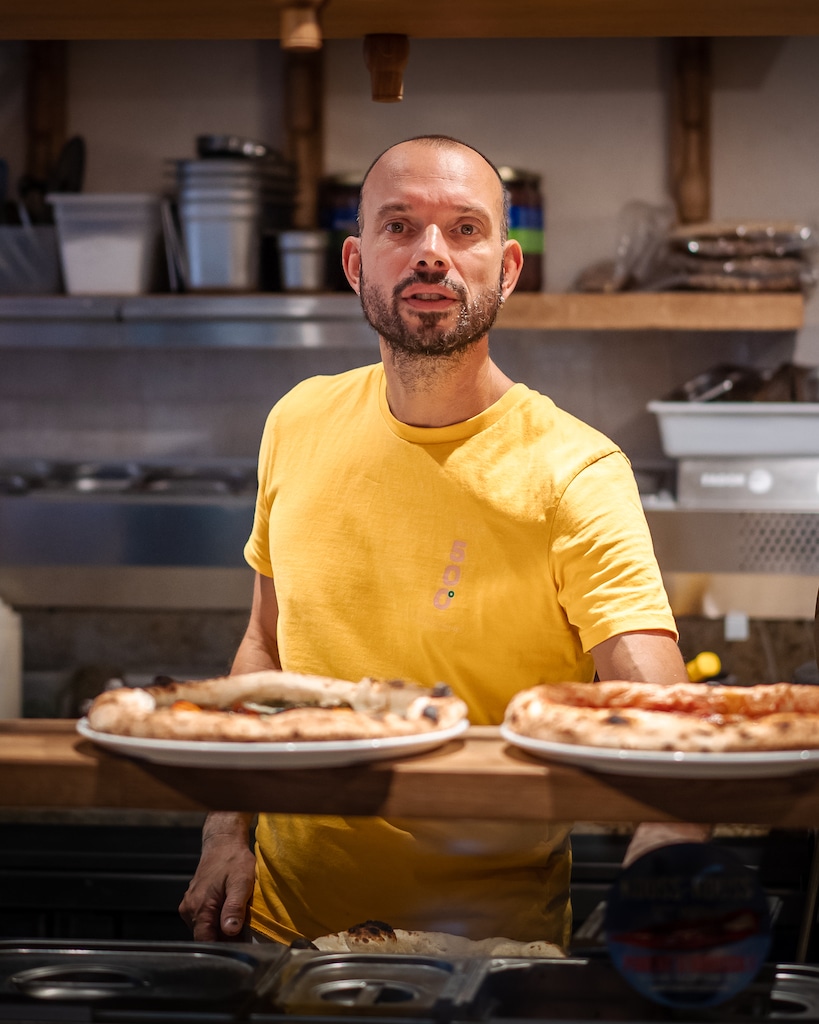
(431, 252)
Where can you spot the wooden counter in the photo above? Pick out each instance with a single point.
(44, 763)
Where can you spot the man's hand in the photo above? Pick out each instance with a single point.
(215, 904)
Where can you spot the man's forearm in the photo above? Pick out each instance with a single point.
(227, 825)
(652, 835)
(253, 655)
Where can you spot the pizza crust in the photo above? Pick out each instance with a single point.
(369, 709)
(378, 937)
(688, 717)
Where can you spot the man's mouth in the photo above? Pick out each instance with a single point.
(429, 299)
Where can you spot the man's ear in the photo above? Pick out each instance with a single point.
(351, 261)
(512, 266)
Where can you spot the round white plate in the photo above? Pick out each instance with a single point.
(664, 764)
(330, 753)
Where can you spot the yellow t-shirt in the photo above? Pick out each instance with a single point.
(492, 555)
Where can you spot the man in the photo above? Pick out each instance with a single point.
(431, 519)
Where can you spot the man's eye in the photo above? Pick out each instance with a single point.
(395, 227)
(467, 229)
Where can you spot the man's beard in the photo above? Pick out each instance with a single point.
(425, 337)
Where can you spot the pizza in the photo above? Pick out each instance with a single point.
(674, 717)
(378, 937)
(275, 706)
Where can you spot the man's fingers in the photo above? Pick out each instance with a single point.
(234, 910)
(205, 929)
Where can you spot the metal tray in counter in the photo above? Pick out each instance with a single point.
(367, 984)
(47, 978)
(592, 990)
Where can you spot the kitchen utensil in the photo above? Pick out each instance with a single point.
(723, 382)
(230, 145)
(174, 250)
(69, 169)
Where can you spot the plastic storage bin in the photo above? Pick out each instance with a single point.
(738, 428)
(110, 243)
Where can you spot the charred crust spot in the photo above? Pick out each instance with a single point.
(615, 719)
(430, 712)
(397, 684)
(784, 726)
(441, 690)
(372, 929)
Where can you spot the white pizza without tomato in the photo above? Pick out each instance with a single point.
(274, 707)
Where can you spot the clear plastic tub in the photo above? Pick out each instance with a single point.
(110, 243)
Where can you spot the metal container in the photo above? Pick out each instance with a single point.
(222, 241)
(53, 980)
(365, 984)
(303, 260)
(738, 428)
(169, 982)
(225, 208)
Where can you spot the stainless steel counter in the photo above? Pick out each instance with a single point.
(185, 321)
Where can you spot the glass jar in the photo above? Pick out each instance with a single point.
(338, 215)
(527, 224)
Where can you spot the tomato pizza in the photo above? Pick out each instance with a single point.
(675, 717)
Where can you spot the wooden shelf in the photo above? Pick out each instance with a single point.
(45, 764)
(345, 19)
(666, 311)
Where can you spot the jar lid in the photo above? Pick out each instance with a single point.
(352, 179)
(514, 175)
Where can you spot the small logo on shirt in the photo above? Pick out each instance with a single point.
(445, 594)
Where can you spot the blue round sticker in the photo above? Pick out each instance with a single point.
(688, 925)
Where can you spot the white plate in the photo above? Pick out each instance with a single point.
(330, 753)
(661, 764)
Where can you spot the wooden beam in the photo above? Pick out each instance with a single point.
(690, 130)
(421, 19)
(303, 106)
(46, 118)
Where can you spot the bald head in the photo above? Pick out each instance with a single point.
(477, 170)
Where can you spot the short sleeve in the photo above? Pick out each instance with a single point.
(603, 557)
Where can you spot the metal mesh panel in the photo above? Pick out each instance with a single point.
(779, 543)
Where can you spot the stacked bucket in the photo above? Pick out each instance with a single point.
(228, 208)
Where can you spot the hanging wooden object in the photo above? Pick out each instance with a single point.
(690, 135)
(386, 57)
(299, 28)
